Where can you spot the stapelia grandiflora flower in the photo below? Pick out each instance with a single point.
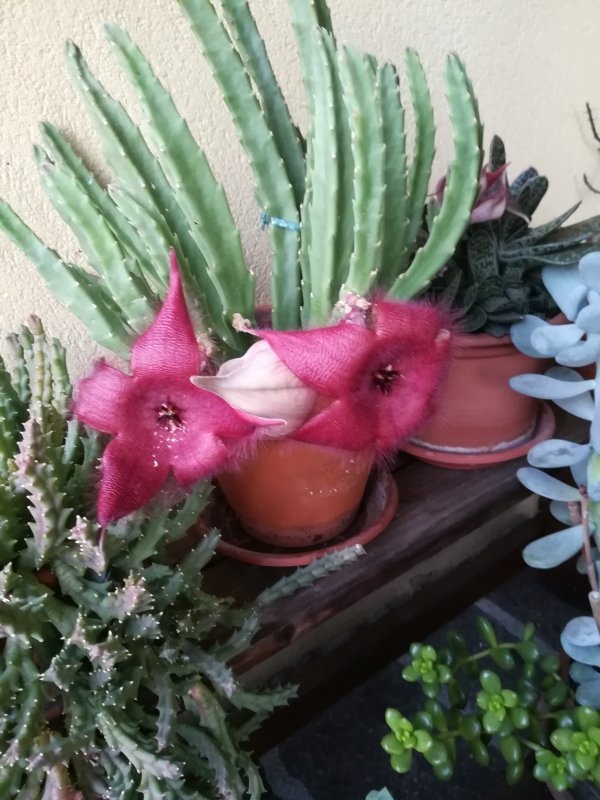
(160, 422)
(378, 382)
(260, 383)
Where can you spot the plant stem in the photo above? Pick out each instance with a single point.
(531, 745)
(587, 547)
(483, 654)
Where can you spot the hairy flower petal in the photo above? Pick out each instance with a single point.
(322, 358)
(162, 423)
(384, 381)
(131, 476)
(345, 423)
(169, 347)
(101, 399)
(260, 384)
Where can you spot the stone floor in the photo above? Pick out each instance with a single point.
(337, 755)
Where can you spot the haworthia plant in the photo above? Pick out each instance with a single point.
(114, 661)
(493, 278)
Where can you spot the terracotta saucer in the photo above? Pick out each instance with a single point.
(374, 515)
(455, 459)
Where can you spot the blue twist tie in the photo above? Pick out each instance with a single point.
(266, 220)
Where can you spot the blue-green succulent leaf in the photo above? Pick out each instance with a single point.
(588, 694)
(588, 318)
(546, 486)
(585, 655)
(551, 339)
(589, 271)
(583, 673)
(566, 288)
(557, 453)
(554, 549)
(522, 334)
(561, 512)
(592, 478)
(582, 631)
(580, 354)
(547, 388)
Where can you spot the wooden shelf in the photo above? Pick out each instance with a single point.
(455, 535)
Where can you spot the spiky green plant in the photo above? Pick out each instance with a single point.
(494, 278)
(351, 200)
(114, 675)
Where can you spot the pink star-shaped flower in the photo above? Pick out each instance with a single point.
(160, 422)
(379, 382)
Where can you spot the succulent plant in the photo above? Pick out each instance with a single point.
(345, 209)
(494, 277)
(528, 714)
(577, 505)
(114, 673)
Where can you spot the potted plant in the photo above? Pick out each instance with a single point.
(114, 661)
(539, 719)
(493, 280)
(343, 218)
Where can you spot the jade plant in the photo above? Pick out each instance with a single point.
(493, 279)
(344, 208)
(115, 679)
(505, 696)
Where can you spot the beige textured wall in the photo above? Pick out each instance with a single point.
(533, 64)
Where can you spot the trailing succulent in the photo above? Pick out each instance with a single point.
(343, 209)
(493, 278)
(573, 345)
(114, 675)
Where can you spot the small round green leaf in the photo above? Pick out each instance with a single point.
(490, 682)
(511, 749)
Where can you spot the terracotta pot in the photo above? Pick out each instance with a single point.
(291, 494)
(480, 419)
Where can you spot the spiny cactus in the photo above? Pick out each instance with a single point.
(494, 278)
(114, 675)
(351, 201)
(363, 203)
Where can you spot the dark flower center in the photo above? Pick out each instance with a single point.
(168, 417)
(385, 377)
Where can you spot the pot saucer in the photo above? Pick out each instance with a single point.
(456, 458)
(374, 514)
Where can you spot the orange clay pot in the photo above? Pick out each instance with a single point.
(291, 494)
(480, 420)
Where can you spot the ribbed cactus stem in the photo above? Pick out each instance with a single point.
(423, 153)
(17, 344)
(320, 212)
(200, 196)
(37, 477)
(254, 57)
(72, 286)
(274, 190)
(368, 148)
(461, 189)
(395, 207)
